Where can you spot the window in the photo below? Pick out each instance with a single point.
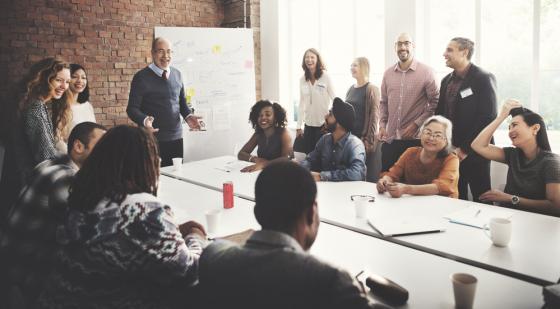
(513, 40)
(340, 31)
(549, 70)
(445, 20)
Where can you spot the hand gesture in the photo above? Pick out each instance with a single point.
(508, 105)
(193, 122)
(192, 227)
(299, 132)
(148, 124)
(382, 134)
(382, 185)
(316, 176)
(251, 168)
(396, 189)
(495, 196)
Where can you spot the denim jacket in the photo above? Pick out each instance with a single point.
(343, 161)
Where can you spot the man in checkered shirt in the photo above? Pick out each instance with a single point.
(28, 243)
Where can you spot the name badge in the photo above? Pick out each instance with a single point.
(466, 93)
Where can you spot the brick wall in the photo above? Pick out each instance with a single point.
(111, 38)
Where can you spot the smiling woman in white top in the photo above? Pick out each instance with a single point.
(82, 110)
(316, 96)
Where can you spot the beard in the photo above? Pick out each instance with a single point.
(331, 127)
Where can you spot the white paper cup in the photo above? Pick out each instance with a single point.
(464, 288)
(361, 204)
(299, 156)
(500, 231)
(213, 220)
(177, 164)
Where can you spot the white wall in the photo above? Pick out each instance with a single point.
(270, 58)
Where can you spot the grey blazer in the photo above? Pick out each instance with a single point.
(272, 271)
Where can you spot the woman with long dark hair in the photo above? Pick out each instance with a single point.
(123, 247)
(533, 179)
(82, 110)
(316, 96)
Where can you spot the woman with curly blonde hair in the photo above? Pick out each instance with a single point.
(49, 86)
(29, 133)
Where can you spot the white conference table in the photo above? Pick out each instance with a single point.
(191, 202)
(426, 276)
(212, 173)
(532, 254)
(534, 250)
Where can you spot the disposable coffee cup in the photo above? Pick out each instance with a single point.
(464, 288)
(177, 164)
(299, 156)
(498, 230)
(213, 220)
(361, 204)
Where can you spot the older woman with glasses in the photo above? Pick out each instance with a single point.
(427, 170)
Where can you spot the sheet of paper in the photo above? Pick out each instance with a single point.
(477, 216)
(394, 226)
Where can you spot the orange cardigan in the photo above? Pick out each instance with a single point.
(444, 172)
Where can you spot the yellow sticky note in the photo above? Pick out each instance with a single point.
(190, 92)
(216, 49)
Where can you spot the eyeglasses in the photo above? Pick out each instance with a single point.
(405, 43)
(369, 198)
(162, 52)
(435, 136)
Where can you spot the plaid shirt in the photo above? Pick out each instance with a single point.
(407, 97)
(29, 242)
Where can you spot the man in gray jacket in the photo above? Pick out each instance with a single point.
(273, 269)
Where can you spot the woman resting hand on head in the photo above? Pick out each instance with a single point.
(271, 137)
(427, 170)
(533, 179)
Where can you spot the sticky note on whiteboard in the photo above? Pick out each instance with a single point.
(216, 49)
(190, 92)
(248, 64)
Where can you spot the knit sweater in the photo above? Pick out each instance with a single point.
(127, 255)
(151, 95)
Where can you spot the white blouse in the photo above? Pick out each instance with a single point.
(315, 101)
(81, 113)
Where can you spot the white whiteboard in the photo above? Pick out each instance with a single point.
(217, 65)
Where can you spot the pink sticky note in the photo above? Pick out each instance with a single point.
(249, 64)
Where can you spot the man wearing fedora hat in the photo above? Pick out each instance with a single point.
(339, 155)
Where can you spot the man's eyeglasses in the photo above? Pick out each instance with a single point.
(162, 52)
(435, 136)
(405, 43)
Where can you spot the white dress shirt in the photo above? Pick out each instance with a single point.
(314, 101)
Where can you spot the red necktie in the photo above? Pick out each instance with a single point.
(164, 75)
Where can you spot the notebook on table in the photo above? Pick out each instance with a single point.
(405, 226)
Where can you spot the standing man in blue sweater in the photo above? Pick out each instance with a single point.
(157, 101)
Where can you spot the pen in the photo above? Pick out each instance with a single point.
(477, 213)
(359, 274)
(221, 169)
(374, 228)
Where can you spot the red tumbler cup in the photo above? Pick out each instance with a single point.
(228, 194)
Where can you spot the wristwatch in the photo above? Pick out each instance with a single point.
(515, 200)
